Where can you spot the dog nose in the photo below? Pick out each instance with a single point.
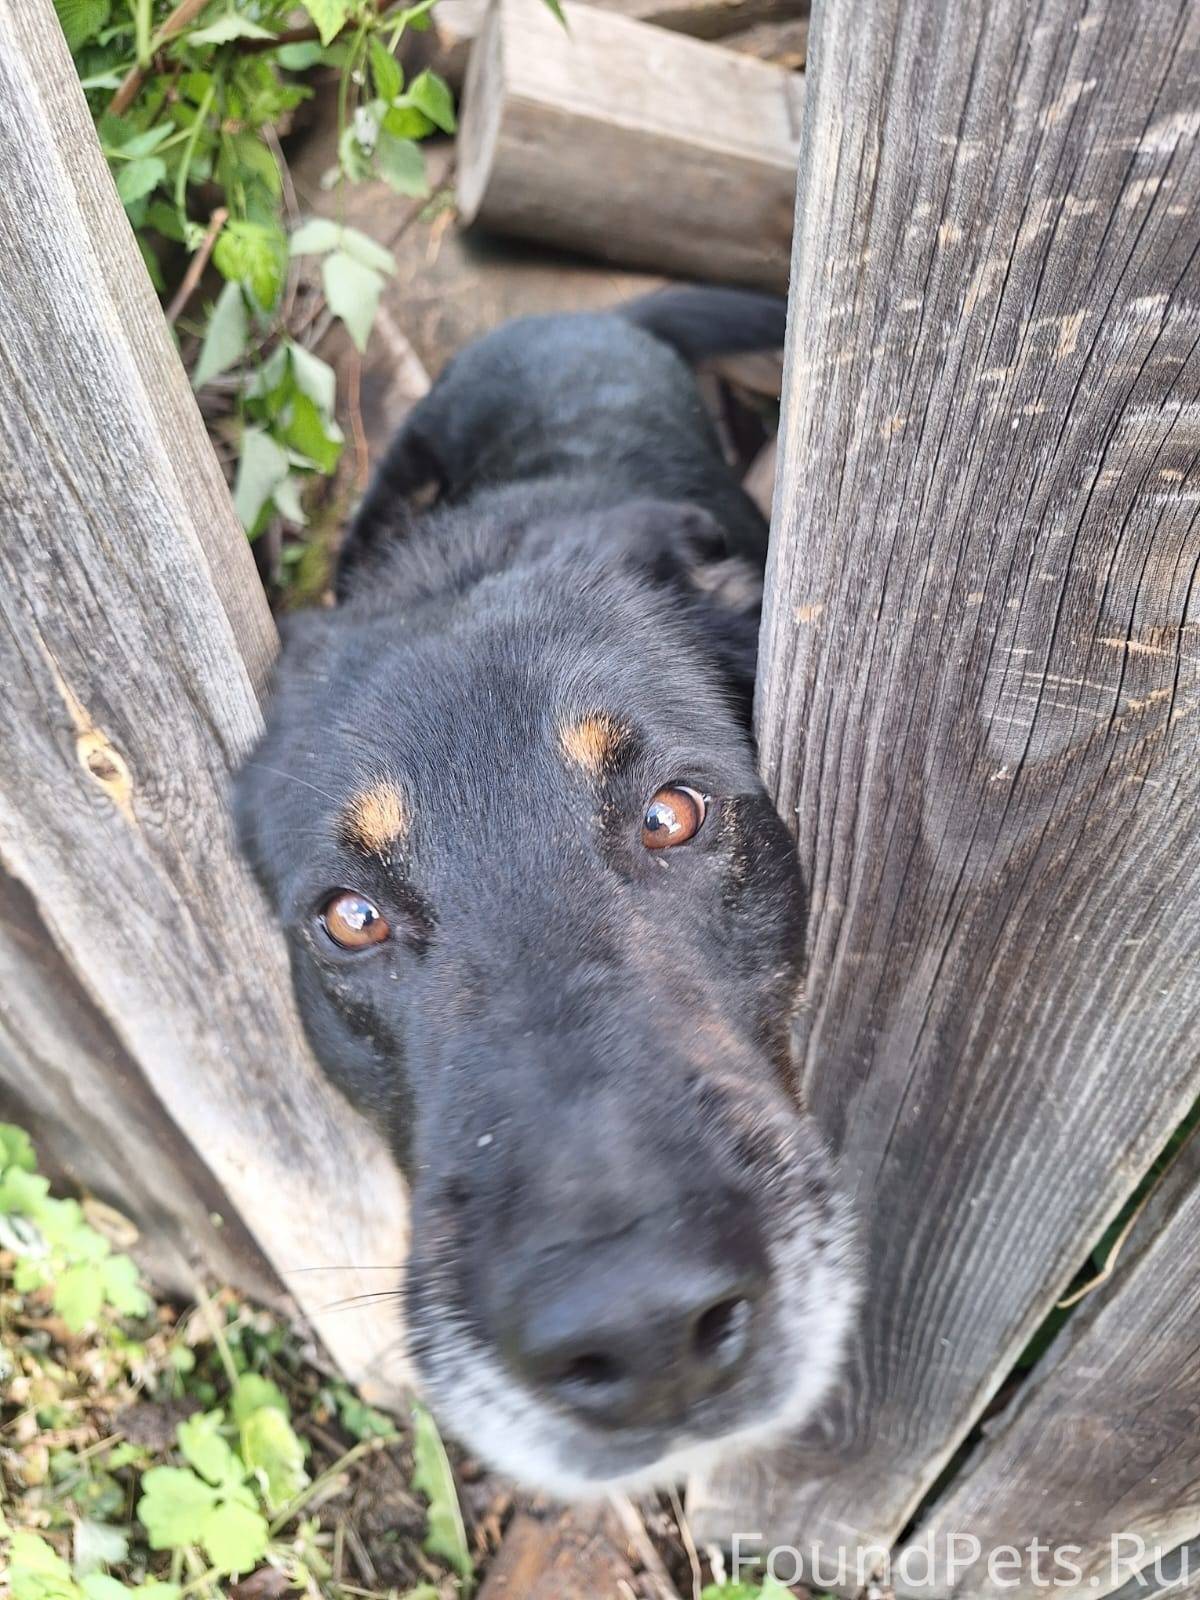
(635, 1332)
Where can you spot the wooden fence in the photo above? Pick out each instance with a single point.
(979, 693)
(146, 1027)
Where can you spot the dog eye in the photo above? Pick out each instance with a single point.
(673, 817)
(352, 922)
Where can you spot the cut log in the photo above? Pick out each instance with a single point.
(631, 143)
(456, 24)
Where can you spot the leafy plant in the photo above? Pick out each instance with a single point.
(56, 1248)
(433, 1478)
(231, 1489)
(188, 99)
(769, 1590)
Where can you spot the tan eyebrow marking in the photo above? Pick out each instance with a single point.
(592, 742)
(376, 818)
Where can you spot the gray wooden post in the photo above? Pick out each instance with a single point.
(134, 641)
(980, 692)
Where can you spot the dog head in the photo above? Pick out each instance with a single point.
(546, 930)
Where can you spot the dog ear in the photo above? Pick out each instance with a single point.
(676, 543)
(681, 546)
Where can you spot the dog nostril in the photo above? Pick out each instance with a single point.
(593, 1371)
(719, 1335)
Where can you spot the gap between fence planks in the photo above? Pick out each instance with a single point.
(133, 640)
(628, 142)
(980, 685)
(1098, 1456)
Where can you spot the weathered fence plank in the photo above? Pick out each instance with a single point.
(981, 680)
(1097, 1459)
(631, 143)
(97, 1123)
(133, 636)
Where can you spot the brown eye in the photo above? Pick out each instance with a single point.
(672, 817)
(352, 922)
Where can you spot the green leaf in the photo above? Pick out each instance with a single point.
(360, 1419)
(30, 1272)
(329, 15)
(38, 1572)
(203, 1448)
(386, 71)
(406, 122)
(235, 1537)
(771, 1590)
(310, 434)
(144, 144)
(253, 1391)
(82, 20)
(430, 94)
(122, 1289)
(286, 499)
(225, 337)
(352, 291)
(98, 1586)
(314, 377)
(96, 1544)
(445, 1535)
(401, 164)
(24, 1191)
(135, 179)
(79, 1296)
(254, 254)
(363, 248)
(226, 28)
(246, 157)
(272, 1451)
(173, 1507)
(316, 237)
(262, 468)
(16, 1148)
(164, 219)
(300, 56)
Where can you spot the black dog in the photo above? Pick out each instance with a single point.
(546, 926)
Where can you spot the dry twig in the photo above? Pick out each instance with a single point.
(186, 11)
(197, 264)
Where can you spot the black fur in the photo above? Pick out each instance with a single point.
(568, 1037)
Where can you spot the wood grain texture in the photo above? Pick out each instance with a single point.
(456, 24)
(133, 638)
(631, 143)
(1177, 1574)
(980, 683)
(98, 1126)
(1098, 1456)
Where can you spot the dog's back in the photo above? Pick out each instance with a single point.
(604, 399)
